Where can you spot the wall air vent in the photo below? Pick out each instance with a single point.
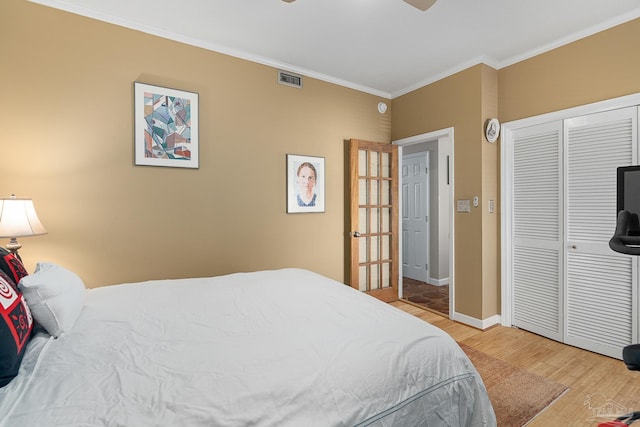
(289, 79)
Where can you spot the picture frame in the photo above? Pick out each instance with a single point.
(305, 193)
(166, 127)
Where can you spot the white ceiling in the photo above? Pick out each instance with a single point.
(383, 47)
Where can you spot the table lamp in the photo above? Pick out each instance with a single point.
(18, 218)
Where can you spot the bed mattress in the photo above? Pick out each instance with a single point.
(271, 348)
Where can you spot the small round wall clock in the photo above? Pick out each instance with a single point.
(492, 131)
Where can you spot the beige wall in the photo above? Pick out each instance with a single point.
(599, 67)
(455, 101)
(490, 191)
(603, 66)
(67, 139)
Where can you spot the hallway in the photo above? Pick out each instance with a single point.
(429, 296)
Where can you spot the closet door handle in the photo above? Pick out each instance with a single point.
(356, 234)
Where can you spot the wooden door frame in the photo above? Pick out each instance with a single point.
(447, 134)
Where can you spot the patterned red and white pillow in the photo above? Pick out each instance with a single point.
(16, 325)
(12, 265)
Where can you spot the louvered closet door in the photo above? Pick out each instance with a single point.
(537, 233)
(600, 290)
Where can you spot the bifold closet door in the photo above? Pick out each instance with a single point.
(566, 283)
(537, 232)
(600, 291)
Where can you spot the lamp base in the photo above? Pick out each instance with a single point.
(13, 247)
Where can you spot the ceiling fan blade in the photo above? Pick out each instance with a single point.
(420, 4)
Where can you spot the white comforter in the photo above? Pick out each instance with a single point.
(271, 348)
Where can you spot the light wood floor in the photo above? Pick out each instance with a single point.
(591, 378)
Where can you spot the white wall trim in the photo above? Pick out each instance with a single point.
(438, 282)
(477, 323)
(506, 173)
(444, 134)
(609, 104)
(110, 19)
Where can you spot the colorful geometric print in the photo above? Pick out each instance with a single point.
(168, 127)
(15, 313)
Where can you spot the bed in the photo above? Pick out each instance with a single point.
(271, 348)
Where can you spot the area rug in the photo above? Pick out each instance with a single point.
(517, 395)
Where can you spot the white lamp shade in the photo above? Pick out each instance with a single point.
(18, 218)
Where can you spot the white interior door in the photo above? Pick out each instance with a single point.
(600, 291)
(537, 230)
(415, 216)
(565, 281)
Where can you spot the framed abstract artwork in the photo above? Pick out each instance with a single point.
(166, 126)
(305, 184)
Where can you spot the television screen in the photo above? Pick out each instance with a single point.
(627, 235)
(629, 189)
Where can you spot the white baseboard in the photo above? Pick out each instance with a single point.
(438, 282)
(477, 323)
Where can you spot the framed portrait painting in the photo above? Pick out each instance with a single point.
(166, 126)
(305, 184)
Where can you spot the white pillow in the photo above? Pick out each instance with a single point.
(55, 297)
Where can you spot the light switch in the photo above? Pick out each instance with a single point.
(491, 206)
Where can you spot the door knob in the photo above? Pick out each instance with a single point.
(356, 234)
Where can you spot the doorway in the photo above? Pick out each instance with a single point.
(426, 247)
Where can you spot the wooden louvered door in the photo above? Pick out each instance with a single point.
(600, 291)
(537, 242)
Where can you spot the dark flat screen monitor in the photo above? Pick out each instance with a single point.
(628, 192)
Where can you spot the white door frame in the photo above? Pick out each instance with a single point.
(445, 138)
